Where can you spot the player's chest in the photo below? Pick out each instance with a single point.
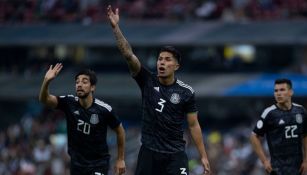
(165, 95)
(286, 118)
(91, 116)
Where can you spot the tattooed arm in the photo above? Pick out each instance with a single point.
(123, 45)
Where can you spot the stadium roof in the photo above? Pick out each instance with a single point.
(157, 33)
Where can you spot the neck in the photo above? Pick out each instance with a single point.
(86, 102)
(167, 80)
(285, 106)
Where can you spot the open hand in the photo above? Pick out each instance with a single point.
(113, 17)
(53, 71)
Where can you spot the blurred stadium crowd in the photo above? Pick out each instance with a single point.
(36, 143)
(93, 11)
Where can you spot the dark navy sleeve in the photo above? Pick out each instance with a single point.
(261, 127)
(62, 102)
(142, 77)
(112, 120)
(190, 105)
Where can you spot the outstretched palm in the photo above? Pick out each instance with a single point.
(113, 17)
(53, 71)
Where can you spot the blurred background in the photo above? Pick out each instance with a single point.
(232, 50)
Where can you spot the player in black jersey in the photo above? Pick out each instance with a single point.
(285, 126)
(166, 104)
(87, 121)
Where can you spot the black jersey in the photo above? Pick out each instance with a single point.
(284, 132)
(164, 110)
(87, 130)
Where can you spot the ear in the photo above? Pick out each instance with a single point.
(291, 92)
(93, 88)
(177, 66)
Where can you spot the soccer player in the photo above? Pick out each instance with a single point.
(87, 121)
(166, 103)
(285, 127)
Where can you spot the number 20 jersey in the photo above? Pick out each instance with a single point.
(87, 130)
(164, 110)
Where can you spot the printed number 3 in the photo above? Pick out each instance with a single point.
(183, 171)
(161, 103)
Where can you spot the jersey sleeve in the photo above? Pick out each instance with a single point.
(142, 77)
(261, 126)
(62, 102)
(190, 105)
(112, 119)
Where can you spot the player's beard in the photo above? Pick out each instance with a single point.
(83, 95)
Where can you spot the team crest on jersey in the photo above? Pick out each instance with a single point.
(299, 118)
(175, 98)
(94, 119)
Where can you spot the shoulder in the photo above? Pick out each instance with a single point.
(68, 97)
(185, 86)
(102, 104)
(298, 106)
(267, 111)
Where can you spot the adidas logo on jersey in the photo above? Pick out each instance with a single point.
(157, 89)
(281, 121)
(77, 113)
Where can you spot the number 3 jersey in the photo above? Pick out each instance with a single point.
(87, 130)
(164, 110)
(284, 130)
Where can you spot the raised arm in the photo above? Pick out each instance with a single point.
(120, 166)
(257, 146)
(196, 134)
(44, 96)
(123, 45)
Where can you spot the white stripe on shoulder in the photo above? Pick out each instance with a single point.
(103, 104)
(182, 84)
(267, 110)
(298, 105)
(76, 98)
(72, 96)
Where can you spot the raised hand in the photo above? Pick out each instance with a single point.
(113, 17)
(53, 71)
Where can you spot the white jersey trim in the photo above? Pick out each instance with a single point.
(267, 110)
(63, 96)
(182, 84)
(298, 105)
(103, 104)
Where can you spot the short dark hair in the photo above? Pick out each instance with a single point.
(90, 73)
(284, 80)
(172, 50)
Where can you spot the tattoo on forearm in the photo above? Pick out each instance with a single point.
(123, 44)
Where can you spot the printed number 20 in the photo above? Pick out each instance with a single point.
(161, 103)
(84, 127)
(289, 131)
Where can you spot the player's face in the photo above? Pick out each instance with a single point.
(83, 86)
(166, 64)
(282, 93)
